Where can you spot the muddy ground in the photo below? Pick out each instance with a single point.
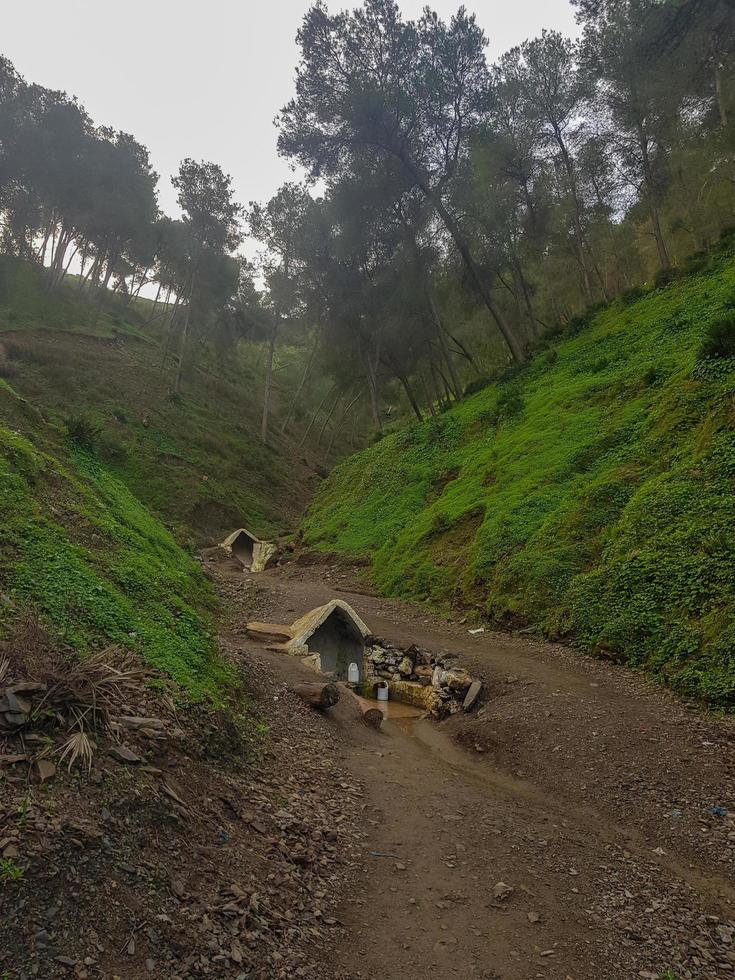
(578, 824)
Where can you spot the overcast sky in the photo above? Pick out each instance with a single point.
(204, 78)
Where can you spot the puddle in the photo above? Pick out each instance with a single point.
(404, 715)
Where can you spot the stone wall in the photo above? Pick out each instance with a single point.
(416, 676)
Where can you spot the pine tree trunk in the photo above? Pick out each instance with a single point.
(318, 409)
(268, 383)
(720, 95)
(651, 195)
(302, 382)
(338, 427)
(411, 397)
(585, 252)
(184, 340)
(513, 343)
(330, 413)
(169, 331)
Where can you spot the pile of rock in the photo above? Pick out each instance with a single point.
(434, 681)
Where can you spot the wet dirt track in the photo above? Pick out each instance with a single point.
(573, 830)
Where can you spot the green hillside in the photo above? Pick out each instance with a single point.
(107, 482)
(197, 461)
(592, 494)
(82, 553)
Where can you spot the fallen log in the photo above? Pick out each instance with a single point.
(320, 696)
(373, 717)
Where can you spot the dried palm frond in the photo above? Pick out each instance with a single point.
(4, 668)
(77, 747)
(87, 689)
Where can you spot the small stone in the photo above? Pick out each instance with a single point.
(46, 770)
(502, 891)
(456, 679)
(130, 948)
(533, 917)
(16, 705)
(472, 695)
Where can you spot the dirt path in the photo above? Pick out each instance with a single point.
(580, 825)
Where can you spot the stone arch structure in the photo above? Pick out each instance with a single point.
(251, 552)
(334, 634)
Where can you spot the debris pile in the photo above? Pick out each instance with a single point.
(62, 712)
(434, 681)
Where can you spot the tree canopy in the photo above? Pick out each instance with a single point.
(452, 212)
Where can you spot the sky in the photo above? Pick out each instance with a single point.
(204, 78)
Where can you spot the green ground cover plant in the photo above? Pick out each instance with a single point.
(80, 551)
(592, 494)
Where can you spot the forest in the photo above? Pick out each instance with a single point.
(450, 215)
(367, 567)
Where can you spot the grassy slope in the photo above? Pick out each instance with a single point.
(198, 463)
(80, 550)
(91, 540)
(593, 494)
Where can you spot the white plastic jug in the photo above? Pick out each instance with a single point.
(382, 692)
(353, 674)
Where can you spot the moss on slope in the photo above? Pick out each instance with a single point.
(82, 552)
(593, 494)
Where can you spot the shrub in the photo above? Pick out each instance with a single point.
(9, 870)
(719, 341)
(696, 262)
(631, 296)
(665, 277)
(599, 364)
(472, 387)
(112, 447)
(509, 404)
(7, 370)
(83, 430)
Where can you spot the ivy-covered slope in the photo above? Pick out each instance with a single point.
(592, 494)
(82, 553)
